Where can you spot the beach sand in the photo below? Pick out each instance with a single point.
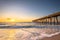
(56, 37)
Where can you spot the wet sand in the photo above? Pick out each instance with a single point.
(56, 37)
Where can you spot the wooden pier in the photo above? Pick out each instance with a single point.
(50, 19)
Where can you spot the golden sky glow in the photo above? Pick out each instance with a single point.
(26, 11)
(15, 20)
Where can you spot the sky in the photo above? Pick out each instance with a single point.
(28, 10)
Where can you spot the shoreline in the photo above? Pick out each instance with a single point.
(55, 37)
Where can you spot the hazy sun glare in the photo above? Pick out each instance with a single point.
(15, 20)
(10, 20)
(7, 20)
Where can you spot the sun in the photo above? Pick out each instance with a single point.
(11, 20)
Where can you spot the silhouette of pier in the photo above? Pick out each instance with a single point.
(50, 19)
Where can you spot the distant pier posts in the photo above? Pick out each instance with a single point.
(54, 21)
(46, 21)
(42, 22)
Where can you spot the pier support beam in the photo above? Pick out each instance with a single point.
(45, 21)
(57, 20)
(51, 21)
(48, 21)
(54, 20)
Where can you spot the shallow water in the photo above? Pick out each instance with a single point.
(27, 31)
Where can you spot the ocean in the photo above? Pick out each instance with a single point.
(27, 31)
(28, 25)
